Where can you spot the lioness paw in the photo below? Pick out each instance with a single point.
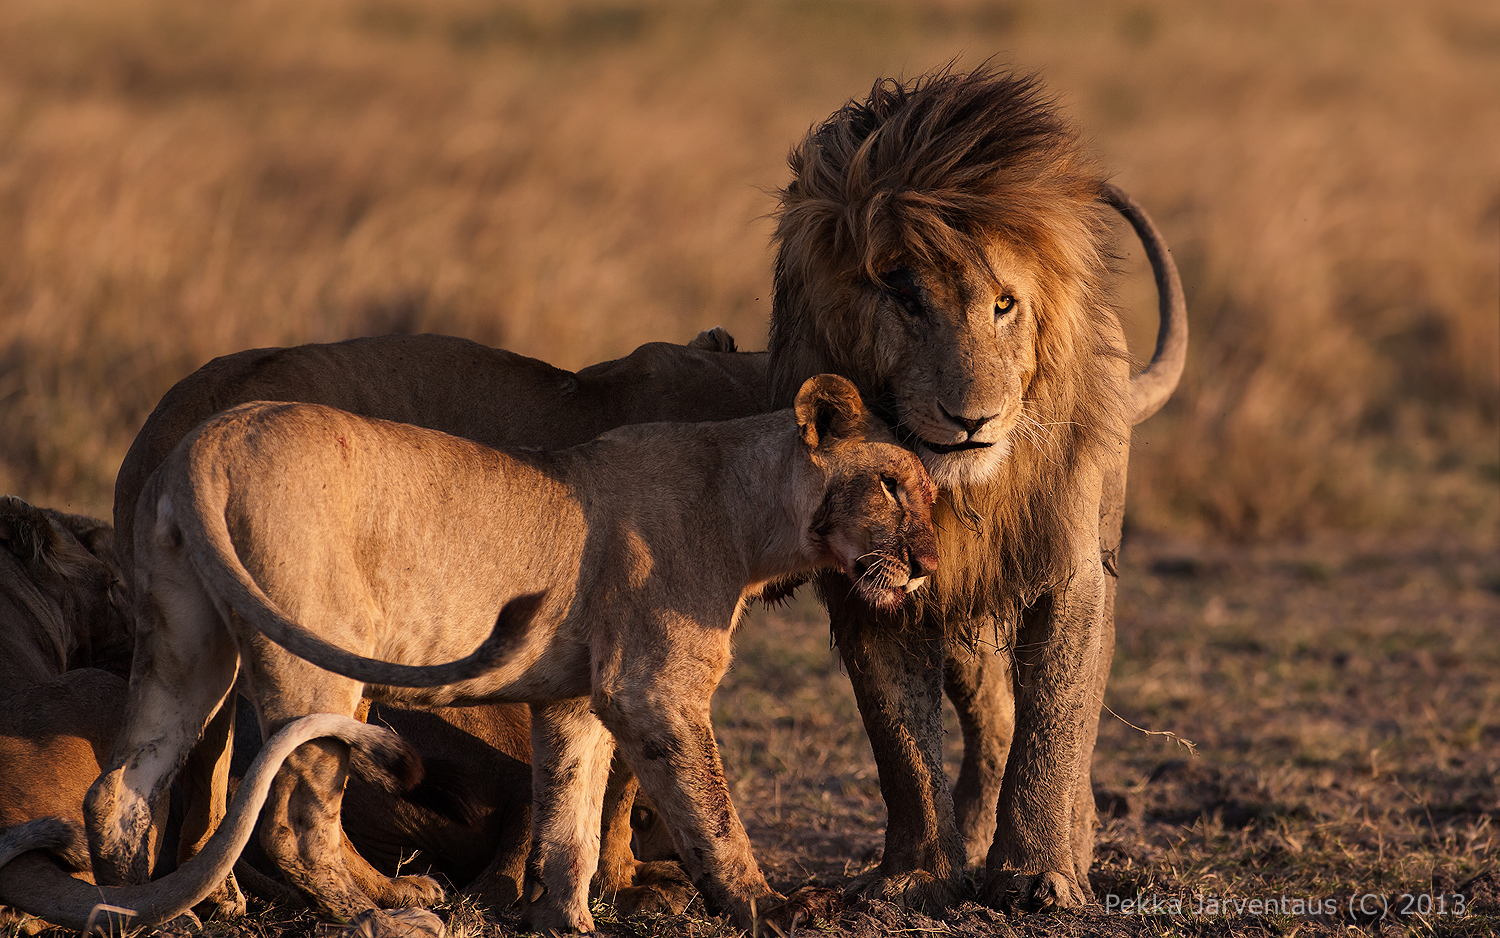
(406, 892)
(918, 890)
(662, 887)
(396, 923)
(1010, 891)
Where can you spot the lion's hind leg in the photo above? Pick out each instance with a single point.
(184, 669)
(300, 823)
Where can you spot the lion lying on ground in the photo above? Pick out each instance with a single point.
(62, 608)
(62, 605)
(943, 244)
(28, 880)
(393, 541)
(491, 396)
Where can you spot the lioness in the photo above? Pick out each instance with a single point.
(488, 395)
(391, 540)
(29, 881)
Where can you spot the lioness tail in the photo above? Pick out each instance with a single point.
(50, 894)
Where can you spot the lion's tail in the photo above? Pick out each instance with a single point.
(502, 659)
(44, 890)
(1150, 389)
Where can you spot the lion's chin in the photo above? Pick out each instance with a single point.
(965, 467)
(882, 598)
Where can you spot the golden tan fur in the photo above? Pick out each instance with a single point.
(943, 244)
(343, 538)
(31, 883)
(494, 397)
(62, 609)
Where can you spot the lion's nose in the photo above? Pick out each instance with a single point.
(971, 425)
(920, 564)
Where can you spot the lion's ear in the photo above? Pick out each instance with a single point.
(25, 531)
(828, 408)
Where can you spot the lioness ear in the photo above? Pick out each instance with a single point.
(829, 408)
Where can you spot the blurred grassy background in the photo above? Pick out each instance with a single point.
(179, 180)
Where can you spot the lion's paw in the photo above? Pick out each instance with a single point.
(917, 890)
(396, 923)
(804, 905)
(406, 892)
(662, 887)
(227, 901)
(494, 892)
(1010, 891)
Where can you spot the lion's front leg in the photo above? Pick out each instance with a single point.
(898, 680)
(570, 756)
(978, 681)
(1032, 864)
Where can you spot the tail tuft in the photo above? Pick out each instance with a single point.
(59, 836)
(386, 760)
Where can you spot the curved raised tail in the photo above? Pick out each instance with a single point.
(37, 886)
(1150, 389)
(507, 654)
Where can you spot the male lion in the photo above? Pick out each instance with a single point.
(488, 395)
(33, 883)
(943, 244)
(391, 540)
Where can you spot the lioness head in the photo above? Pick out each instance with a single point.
(941, 243)
(875, 516)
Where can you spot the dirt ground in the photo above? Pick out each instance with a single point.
(1343, 704)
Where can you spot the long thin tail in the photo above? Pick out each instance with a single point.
(504, 657)
(71, 903)
(1150, 389)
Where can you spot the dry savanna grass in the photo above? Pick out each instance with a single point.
(572, 178)
(182, 180)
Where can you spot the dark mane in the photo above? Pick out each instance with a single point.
(935, 171)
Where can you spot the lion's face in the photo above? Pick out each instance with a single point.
(875, 521)
(962, 348)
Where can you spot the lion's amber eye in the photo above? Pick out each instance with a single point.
(1004, 305)
(890, 486)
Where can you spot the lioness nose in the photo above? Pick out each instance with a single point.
(971, 425)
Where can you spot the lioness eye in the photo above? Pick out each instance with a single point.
(890, 486)
(1004, 305)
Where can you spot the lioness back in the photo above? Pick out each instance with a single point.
(488, 395)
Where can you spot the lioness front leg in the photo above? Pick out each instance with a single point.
(1032, 865)
(667, 739)
(570, 755)
(628, 884)
(897, 678)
